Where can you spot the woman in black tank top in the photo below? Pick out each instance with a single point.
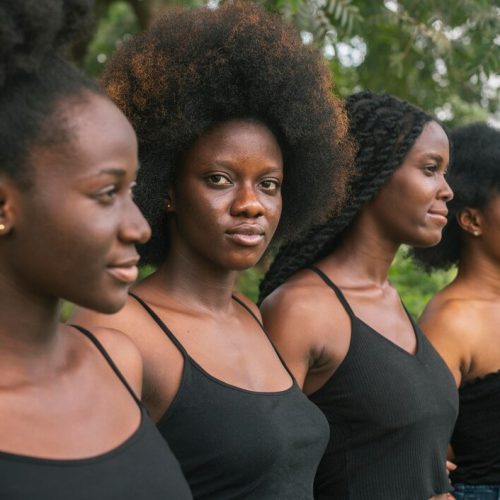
(339, 324)
(230, 121)
(71, 426)
(462, 321)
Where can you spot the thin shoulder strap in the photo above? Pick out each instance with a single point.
(242, 304)
(335, 288)
(111, 363)
(161, 324)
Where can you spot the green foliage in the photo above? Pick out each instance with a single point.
(437, 57)
(117, 23)
(415, 286)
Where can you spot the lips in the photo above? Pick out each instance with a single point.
(124, 270)
(439, 214)
(246, 234)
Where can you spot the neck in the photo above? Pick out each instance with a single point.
(478, 271)
(195, 283)
(28, 330)
(365, 254)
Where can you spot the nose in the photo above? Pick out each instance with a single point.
(445, 192)
(246, 203)
(134, 227)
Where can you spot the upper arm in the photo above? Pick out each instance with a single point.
(447, 327)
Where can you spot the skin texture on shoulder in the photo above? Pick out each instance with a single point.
(166, 364)
(125, 355)
(309, 327)
(451, 328)
(462, 323)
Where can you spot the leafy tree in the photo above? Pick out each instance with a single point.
(443, 58)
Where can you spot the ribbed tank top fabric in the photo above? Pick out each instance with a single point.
(142, 467)
(391, 416)
(234, 443)
(476, 438)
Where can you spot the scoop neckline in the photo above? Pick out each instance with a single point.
(101, 457)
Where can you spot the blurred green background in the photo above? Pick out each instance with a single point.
(443, 57)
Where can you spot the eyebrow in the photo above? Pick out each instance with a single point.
(433, 156)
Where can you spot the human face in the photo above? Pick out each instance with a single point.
(226, 202)
(75, 229)
(411, 207)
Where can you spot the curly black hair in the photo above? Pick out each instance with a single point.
(385, 128)
(474, 177)
(194, 69)
(34, 77)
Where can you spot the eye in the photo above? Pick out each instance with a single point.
(131, 189)
(218, 180)
(430, 169)
(107, 195)
(270, 185)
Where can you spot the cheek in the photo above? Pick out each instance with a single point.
(273, 210)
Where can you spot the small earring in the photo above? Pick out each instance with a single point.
(3, 227)
(475, 233)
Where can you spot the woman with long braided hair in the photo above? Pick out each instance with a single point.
(329, 308)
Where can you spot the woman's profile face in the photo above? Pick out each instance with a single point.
(75, 229)
(226, 202)
(411, 207)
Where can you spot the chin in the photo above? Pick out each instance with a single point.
(103, 304)
(429, 240)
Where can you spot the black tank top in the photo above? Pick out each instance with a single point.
(142, 467)
(476, 438)
(234, 443)
(391, 416)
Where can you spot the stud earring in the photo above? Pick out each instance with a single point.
(3, 227)
(476, 233)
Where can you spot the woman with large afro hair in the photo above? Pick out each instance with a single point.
(71, 423)
(241, 142)
(341, 327)
(462, 319)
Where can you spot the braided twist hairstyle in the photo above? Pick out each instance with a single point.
(385, 128)
(474, 177)
(34, 77)
(196, 68)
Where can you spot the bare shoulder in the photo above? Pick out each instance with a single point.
(450, 318)
(251, 305)
(302, 306)
(124, 354)
(131, 319)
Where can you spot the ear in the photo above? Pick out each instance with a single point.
(170, 202)
(8, 202)
(471, 221)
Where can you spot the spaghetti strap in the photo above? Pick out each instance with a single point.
(111, 363)
(242, 304)
(161, 324)
(335, 288)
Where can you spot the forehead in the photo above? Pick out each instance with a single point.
(237, 138)
(432, 141)
(96, 134)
